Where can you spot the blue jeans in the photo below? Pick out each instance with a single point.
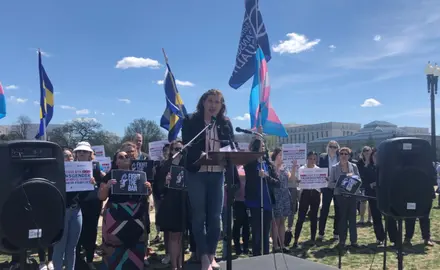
(205, 191)
(64, 250)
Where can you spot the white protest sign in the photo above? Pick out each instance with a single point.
(243, 146)
(78, 176)
(296, 151)
(155, 149)
(99, 150)
(313, 178)
(105, 162)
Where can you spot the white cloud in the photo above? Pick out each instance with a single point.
(56, 93)
(43, 53)
(36, 102)
(377, 38)
(67, 107)
(83, 111)
(245, 117)
(86, 119)
(295, 43)
(11, 87)
(18, 100)
(370, 102)
(126, 100)
(137, 62)
(178, 82)
(113, 113)
(332, 47)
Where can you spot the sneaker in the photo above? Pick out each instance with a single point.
(146, 262)
(428, 242)
(335, 237)
(42, 266)
(166, 259)
(50, 266)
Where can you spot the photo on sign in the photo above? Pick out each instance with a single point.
(349, 184)
(129, 182)
(143, 166)
(178, 175)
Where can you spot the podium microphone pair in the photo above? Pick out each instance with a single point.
(247, 131)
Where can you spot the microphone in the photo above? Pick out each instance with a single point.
(213, 120)
(247, 131)
(227, 131)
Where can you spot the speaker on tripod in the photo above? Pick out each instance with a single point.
(32, 195)
(406, 178)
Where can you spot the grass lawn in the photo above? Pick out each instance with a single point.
(418, 256)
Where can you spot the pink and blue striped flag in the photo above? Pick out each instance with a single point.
(2, 102)
(260, 109)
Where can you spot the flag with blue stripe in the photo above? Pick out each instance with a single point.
(175, 110)
(46, 99)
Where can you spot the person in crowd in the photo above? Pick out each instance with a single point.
(327, 160)
(91, 207)
(205, 183)
(123, 227)
(64, 252)
(294, 195)
(48, 265)
(241, 225)
(362, 163)
(369, 181)
(139, 141)
(310, 199)
(346, 203)
(130, 148)
(158, 195)
(282, 207)
(174, 212)
(257, 171)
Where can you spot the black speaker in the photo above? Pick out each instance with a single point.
(406, 177)
(32, 195)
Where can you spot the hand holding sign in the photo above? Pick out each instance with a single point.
(148, 186)
(92, 181)
(111, 182)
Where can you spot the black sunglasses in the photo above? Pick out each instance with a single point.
(333, 147)
(122, 156)
(177, 149)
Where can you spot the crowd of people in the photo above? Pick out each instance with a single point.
(195, 213)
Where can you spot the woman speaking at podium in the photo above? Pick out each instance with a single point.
(205, 183)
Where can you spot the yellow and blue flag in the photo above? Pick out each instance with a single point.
(46, 99)
(175, 110)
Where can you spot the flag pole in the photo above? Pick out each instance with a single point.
(41, 93)
(173, 82)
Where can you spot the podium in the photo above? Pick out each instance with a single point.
(230, 160)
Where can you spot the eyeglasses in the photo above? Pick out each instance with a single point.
(123, 157)
(177, 149)
(343, 154)
(366, 150)
(333, 147)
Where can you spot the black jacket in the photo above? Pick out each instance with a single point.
(192, 125)
(252, 188)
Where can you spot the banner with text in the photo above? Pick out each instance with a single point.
(313, 178)
(129, 182)
(155, 149)
(144, 166)
(106, 163)
(78, 176)
(99, 150)
(296, 151)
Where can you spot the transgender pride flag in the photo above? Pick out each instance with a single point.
(260, 109)
(2, 102)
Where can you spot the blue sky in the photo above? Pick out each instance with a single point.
(328, 58)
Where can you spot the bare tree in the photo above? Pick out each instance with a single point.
(150, 131)
(91, 131)
(21, 129)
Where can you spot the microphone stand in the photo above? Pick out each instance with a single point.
(229, 202)
(262, 201)
(193, 139)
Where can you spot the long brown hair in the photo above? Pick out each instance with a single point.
(212, 92)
